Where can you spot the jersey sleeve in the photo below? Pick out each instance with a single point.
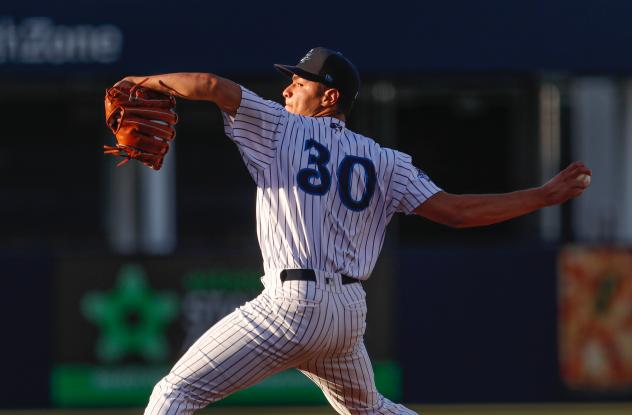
(255, 128)
(410, 185)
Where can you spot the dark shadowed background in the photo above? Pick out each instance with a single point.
(487, 97)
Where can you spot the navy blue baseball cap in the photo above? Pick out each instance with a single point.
(328, 67)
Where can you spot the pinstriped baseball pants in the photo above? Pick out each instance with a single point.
(317, 327)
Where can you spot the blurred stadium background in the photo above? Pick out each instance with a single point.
(110, 273)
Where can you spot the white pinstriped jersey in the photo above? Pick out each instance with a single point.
(324, 193)
(324, 197)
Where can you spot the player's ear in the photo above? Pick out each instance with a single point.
(330, 97)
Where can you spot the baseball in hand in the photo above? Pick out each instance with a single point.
(584, 179)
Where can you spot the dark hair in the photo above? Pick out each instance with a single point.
(345, 104)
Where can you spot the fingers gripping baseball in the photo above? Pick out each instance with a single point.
(569, 183)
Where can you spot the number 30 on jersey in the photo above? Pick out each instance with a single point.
(345, 174)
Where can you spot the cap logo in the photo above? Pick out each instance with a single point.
(308, 56)
(328, 78)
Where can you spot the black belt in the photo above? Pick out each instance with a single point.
(310, 275)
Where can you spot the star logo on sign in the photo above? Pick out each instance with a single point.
(131, 317)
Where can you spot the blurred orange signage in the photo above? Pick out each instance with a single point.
(595, 318)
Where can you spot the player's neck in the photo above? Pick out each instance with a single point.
(328, 112)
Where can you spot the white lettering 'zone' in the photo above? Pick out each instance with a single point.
(324, 193)
(37, 40)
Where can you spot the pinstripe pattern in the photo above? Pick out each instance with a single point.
(316, 327)
(333, 228)
(299, 230)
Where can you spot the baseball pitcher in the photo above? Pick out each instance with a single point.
(324, 197)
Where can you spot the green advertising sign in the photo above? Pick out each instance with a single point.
(136, 319)
(100, 386)
(131, 317)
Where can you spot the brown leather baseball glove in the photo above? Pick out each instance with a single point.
(142, 121)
